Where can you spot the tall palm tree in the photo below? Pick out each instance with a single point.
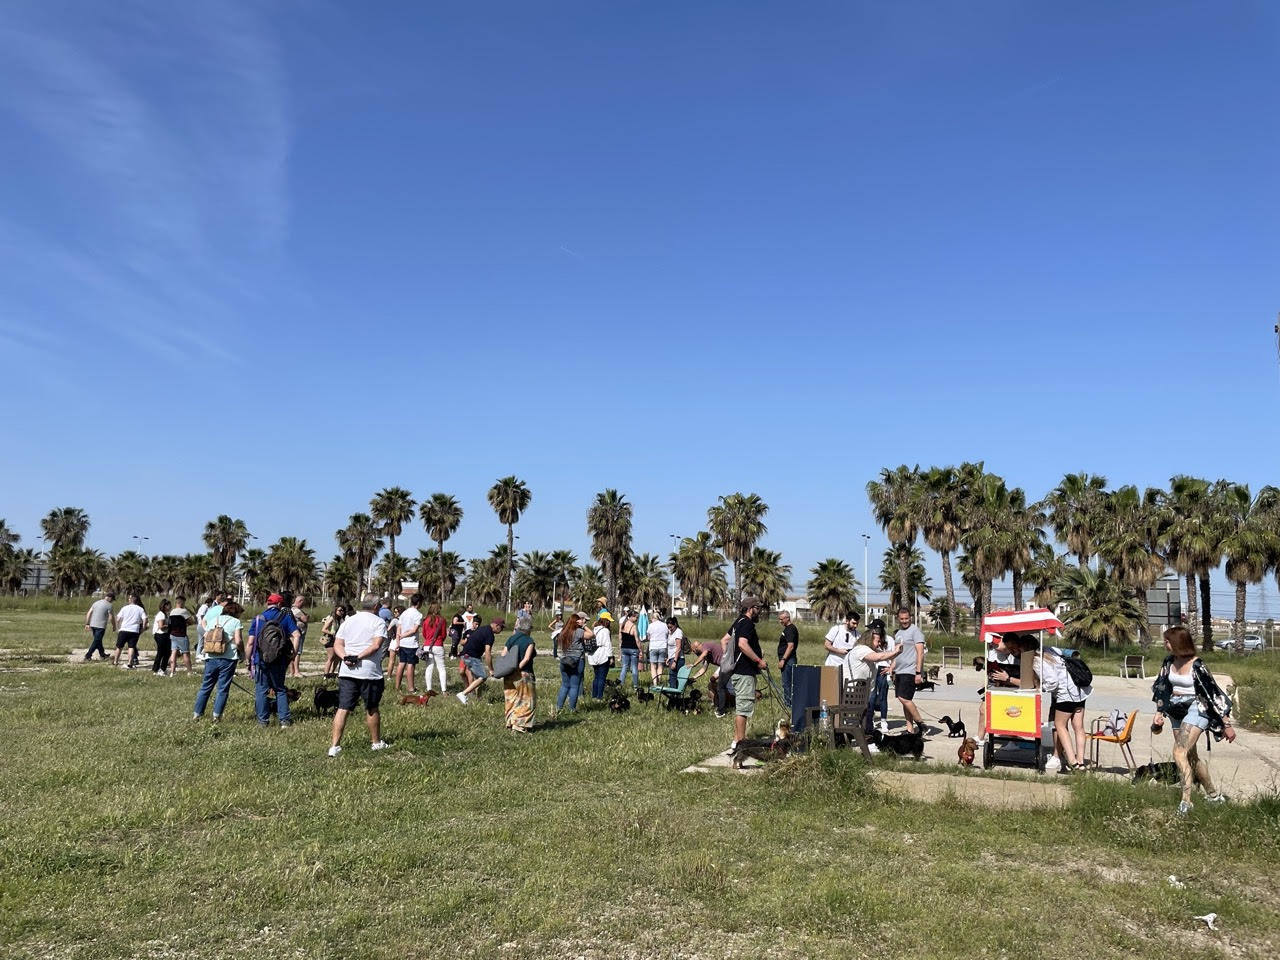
(255, 574)
(897, 506)
(8, 537)
(391, 508)
(565, 563)
(696, 563)
(441, 515)
(738, 523)
(973, 583)
(1189, 540)
(832, 590)
(943, 491)
(1128, 536)
(359, 543)
(509, 498)
(1073, 509)
(917, 577)
(609, 524)
(1251, 544)
(65, 527)
(765, 576)
(226, 538)
(292, 565)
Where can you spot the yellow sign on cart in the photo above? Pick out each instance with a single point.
(1013, 713)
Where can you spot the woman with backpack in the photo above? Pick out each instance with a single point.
(1069, 690)
(573, 661)
(1186, 692)
(223, 639)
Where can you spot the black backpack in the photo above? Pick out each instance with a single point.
(1078, 671)
(729, 659)
(274, 645)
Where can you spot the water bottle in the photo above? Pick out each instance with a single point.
(824, 718)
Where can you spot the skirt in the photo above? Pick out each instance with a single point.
(518, 694)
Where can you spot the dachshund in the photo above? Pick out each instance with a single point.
(618, 701)
(1166, 772)
(902, 744)
(955, 729)
(968, 750)
(925, 685)
(291, 694)
(417, 699)
(644, 696)
(326, 700)
(765, 748)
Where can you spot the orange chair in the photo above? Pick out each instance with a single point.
(1122, 740)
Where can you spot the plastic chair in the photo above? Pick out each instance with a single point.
(1121, 739)
(675, 691)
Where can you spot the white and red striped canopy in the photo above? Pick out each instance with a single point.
(1015, 621)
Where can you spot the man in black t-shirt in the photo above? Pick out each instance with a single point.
(476, 661)
(787, 644)
(747, 664)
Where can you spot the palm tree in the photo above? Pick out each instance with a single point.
(917, 578)
(565, 563)
(441, 515)
(943, 491)
(764, 575)
(438, 573)
(1099, 607)
(609, 524)
(484, 581)
(14, 567)
(129, 572)
(225, 538)
(393, 569)
(974, 584)
(738, 523)
(1189, 541)
(292, 565)
(509, 498)
(198, 575)
(359, 543)
(8, 538)
(1073, 509)
(833, 590)
(696, 564)
(65, 527)
(896, 504)
(341, 579)
(651, 587)
(254, 573)
(1046, 571)
(535, 577)
(166, 571)
(1251, 545)
(71, 568)
(588, 583)
(391, 508)
(1128, 536)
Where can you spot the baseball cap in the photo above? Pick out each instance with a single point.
(275, 598)
(749, 602)
(498, 623)
(606, 616)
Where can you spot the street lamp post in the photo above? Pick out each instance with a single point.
(866, 576)
(675, 538)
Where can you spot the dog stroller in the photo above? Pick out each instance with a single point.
(1014, 715)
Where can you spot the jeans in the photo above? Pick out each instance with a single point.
(219, 670)
(570, 683)
(199, 639)
(674, 670)
(98, 633)
(597, 681)
(880, 697)
(434, 656)
(788, 680)
(164, 649)
(271, 677)
(630, 662)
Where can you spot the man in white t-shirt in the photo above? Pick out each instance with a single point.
(408, 641)
(839, 640)
(470, 618)
(359, 646)
(130, 622)
(657, 636)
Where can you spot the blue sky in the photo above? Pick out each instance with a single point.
(264, 259)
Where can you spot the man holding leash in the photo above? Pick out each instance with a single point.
(273, 643)
(359, 646)
(908, 667)
(748, 661)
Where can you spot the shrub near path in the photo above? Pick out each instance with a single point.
(132, 832)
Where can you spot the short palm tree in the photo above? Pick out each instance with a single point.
(1074, 509)
(609, 525)
(198, 575)
(291, 564)
(738, 524)
(1127, 544)
(697, 563)
(360, 543)
(341, 580)
(535, 577)
(651, 585)
(1251, 545)
(255, 574)
(897, 505)
(832, 590)
(588, 584)
(65, 527)
(226, 538)
(436, 577)
(441, 515)
(8, 537)
(1099, 608)
(565, 563)
(15, 564)
(917, 577)
(765, 576)
(509, 498)
(391, 508)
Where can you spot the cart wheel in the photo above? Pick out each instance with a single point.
(988, 754)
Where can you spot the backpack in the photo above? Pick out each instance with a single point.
(273, 645)
(729, 659)
(215, 640)
(1078, 671)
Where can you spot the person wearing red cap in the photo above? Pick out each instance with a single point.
(269, 675)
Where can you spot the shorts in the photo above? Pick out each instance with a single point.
(744, 694)
(1194, 717)
(476, 668)
(181, 644)
(328, 641)
(302, 638)
(352, 690)
(904, 686)
(126, 639)
(1067, 707)
(658, 657)
(408, 655)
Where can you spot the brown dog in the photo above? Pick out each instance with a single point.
(968, 750)
(420, 700)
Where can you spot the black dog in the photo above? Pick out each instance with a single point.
(326, 700)
(902, 744)
(956, 729)
(933, 673)
(951, 679)
(1166, 772)
(925, 685)
(644, 695)
(765, 748)
(618, 701)
(979, 663)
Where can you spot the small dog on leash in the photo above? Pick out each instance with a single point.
(644, 696)
(618, 700)
(1166, 772)
(765, 748)
(968, 750)
(902, 744)
(925, 685)
(951, 679)
(291, 694)
(418, 699)
(325, 700)
(955, 728)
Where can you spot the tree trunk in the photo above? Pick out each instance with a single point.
(1206, 615)
(904, 588)
(1237, 625)
(951, 592)
(1017, 589)
(1083, 560)
(1144, 628)
(986, 598)
(737, 584)
(440, 552)
(393, 589)
(1193, 623)
(511, 546)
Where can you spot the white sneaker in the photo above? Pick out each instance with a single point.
(733, 745)
(380, 745)
(873, 749)
(462, 698)
(1053, 763)
(335, 750)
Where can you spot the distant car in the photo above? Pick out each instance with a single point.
(1252, 643)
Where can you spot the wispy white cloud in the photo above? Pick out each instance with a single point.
(155, 137)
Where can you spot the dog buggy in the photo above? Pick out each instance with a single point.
(1012, 716)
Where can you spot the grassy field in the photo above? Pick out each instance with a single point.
(131, 831)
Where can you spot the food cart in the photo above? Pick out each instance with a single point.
(1015, 714)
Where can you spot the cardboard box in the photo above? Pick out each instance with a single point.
(1028, 679)
(829, 686)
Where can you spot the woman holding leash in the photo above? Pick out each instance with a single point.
(1186, 693)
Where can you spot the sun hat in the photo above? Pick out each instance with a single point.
(605, 615)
